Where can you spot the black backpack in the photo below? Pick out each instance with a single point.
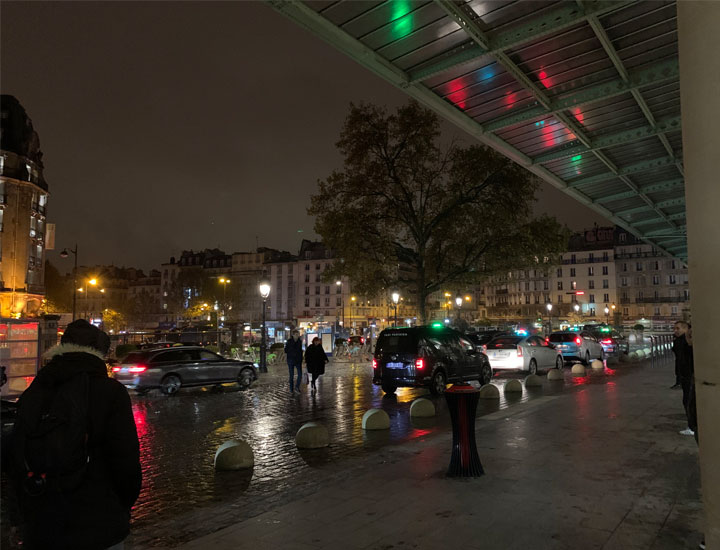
(51, 436)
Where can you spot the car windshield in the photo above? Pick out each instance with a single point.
(134, 358)
(563, 337)
(397, 342)
(504, 342)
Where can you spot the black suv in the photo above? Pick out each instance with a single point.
(428, 356)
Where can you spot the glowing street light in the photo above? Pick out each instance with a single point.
(264, 293)
(395, 299)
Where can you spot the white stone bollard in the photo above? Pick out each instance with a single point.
(312, 435)
(488, 391)
(422, 408)
(375, 419)
(555, 374)
(234, 455)
(533, 380)
(577, 368)
(513, 386)
(597, 365)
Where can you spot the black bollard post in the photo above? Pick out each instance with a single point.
(462, 400)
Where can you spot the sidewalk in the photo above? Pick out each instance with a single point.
(600, 465)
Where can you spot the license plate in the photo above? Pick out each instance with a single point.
(395, 365)
(502, 354)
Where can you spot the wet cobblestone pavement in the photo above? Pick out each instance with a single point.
(183, 497)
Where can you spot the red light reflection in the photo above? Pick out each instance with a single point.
(544, 79)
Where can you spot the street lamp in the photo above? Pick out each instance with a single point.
(91, 282)
(607, 314)
(395, 299)
(64, 254)
(224, 281)
(576, 307)
(342, 301)
(264, 292)
(352, 301)
(549, 309)
(458, 303)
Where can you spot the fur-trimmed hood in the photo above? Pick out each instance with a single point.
(71, 348)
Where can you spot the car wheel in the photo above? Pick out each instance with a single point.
(532, 367)
(389, 388)
(438, 383)
(486, 374)
(170, 385)
(559, 363)
(587, 358)
(245, 379)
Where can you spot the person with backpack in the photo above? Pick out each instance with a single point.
(76, 458)
(315, 358)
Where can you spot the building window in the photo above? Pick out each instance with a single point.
(592, 298)
(606, 298)
(606, 257)
(686, 294)
(591, 257)
(573, 285)
(545, 285)
(338, 302)
(307, 277)
(657, 266)
(560, 285)
(638, 266)
(626, 311)
(606, 283)
(307, 267)
(559, 272)
(657, 310)
(674, 310)
(572, 272)
(317, 290)
(307, 290)
(671, 279)
(605, 270)
(307, 303)
(572, 259)
(640, 295)
(656, 280)
(317, 266)
(327, 302)
(327, 290)
(591, 283)
(591, 271)
(317, 302)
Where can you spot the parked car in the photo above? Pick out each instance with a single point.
(426, 356)
(356, 341)
(523, 353)
(480, 339)
(182, 366)
(577, 346)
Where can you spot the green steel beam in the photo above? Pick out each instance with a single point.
(309, 19)
(661, 232)
(619, 138)
(652, 188)
(678, 216)
(662, 204)
(653, 74)
(638, 167)
(551, 22)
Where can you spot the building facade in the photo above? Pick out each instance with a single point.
(23, 204)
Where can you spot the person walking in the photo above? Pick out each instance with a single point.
(315, 359)
(76, 458)
(294, 355)
(684, 367)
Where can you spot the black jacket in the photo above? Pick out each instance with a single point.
(683, 357)
(293, 351)
(315, 359)
(97, 514)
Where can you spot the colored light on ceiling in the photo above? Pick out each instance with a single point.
(576, 158)
(544, 79)
(401, 18)
(540, 123)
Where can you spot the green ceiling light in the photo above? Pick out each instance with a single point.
(576, 158)
(401, 18)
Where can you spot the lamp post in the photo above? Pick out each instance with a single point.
(607, 314)
(352, 301)
(395, 299)
(342, 301)
(613, 312)
(224, 281)
(576, 307)
(264, 292)
(458, 303)
(92, 282)
(447, 303)
(549, 309)
(64, 254)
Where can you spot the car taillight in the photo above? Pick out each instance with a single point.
(362, 340)
(547, 341)
(137, 368)
(116, 369)
(578, 341)
(607, 341)
(374, 363)
(519, 351)
(420, 364)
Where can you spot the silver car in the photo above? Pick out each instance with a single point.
(172, 368)
(578, 346)
(523, 353)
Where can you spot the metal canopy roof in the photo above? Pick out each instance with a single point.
(585, 94)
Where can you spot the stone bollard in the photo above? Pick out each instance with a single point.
(312, 435)
(533, 381)
(625, 358)
(513, 386)
(597, 365)
(555, 374)
(375, 419)
(488, 391)
(578, 369)
(234, 455)
(422, 408)
(639, 354)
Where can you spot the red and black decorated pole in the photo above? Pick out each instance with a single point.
(462, 400)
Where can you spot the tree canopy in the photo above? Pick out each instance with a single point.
(413, 212)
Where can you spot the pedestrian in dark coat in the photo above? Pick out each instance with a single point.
(94, 513)
(294, 356)
(684, 367)
(315, 359)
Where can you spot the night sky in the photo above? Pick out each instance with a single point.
(170, 126)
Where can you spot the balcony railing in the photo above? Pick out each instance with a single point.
(661, 299)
